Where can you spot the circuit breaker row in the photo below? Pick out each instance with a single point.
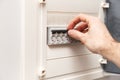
(58, 36)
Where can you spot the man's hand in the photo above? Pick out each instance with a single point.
(91, 32)
(95, 36)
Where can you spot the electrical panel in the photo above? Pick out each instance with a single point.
(63, 56)
(58, 36)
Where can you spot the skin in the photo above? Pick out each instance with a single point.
(95, 36)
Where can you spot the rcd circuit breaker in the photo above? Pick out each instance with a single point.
(59, 36)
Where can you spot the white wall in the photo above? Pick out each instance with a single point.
(10, 39)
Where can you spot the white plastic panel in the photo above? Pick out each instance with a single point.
(90, 74)
(86, 6)
(69, 65)
(61, 51)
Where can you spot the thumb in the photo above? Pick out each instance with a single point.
(77, 35)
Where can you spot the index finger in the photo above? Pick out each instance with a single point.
(76, 20)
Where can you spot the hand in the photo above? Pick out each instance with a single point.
(95, 36)
(91, 32)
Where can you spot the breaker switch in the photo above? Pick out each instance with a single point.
(58, 36)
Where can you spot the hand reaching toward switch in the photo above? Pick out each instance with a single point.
(95, 36)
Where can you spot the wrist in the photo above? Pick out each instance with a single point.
(112, 52)
(115, 57)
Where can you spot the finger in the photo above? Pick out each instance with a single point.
(73, 23)
(76, 20)
(77, 35)
(82, 27)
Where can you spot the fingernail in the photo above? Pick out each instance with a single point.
(70, 32)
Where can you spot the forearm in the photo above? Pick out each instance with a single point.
(112, 53)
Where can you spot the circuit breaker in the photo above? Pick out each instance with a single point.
(59, 36)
